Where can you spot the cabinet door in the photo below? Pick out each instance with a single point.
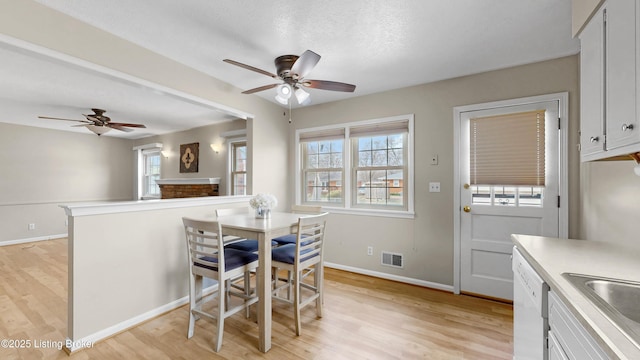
(621, 125)
(570, 335)
(555, 349)
(592, 87)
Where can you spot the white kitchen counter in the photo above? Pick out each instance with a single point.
(551, 257)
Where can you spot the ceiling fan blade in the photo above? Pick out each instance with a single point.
(249, 67)
(54, 118)
(305, 63)
(329, 85)
(261, 88)
(121, 128)
(112, 124)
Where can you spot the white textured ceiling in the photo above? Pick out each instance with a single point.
(376, 45)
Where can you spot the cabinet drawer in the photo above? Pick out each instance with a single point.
(572, 338)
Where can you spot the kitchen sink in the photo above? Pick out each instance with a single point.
(619, 300)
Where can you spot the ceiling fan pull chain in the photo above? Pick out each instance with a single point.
(289, 111)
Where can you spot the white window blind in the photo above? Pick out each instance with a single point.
(508, 149)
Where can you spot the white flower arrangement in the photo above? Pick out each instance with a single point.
(263, 201)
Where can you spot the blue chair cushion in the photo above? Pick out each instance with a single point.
(286, 254)
(250, 245)
(233, 259)
(288, 239)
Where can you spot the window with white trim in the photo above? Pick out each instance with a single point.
(373, 170)
(151, 173)
(148, 169)
(239, 168)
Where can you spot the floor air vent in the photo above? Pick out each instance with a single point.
(392, 259)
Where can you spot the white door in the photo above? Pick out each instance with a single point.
(489, 214)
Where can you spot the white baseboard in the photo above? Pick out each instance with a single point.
(89, 341)
(403, 279)
(33, 239)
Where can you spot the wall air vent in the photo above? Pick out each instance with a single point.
(392, 259)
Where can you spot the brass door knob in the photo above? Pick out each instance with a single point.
(467, 208)
(466, 186)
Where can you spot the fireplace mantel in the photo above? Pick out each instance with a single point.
(188, 187)
(188, 181)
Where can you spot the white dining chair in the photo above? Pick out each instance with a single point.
(207, 257)
(300, 259)
(297, 209)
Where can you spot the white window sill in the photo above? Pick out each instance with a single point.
(371, 212)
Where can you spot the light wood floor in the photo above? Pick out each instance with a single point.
(364, 318)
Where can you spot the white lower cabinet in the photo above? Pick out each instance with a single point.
(555, 349)
(567, 338)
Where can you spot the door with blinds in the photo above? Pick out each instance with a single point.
(509, 184)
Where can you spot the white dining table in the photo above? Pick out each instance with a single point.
(250, 227)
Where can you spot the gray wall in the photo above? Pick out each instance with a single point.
(427, 241)
(43, 168)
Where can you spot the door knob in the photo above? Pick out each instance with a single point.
(467, 208)
(466, 186)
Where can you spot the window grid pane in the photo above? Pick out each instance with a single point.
(380, 172)
(323, 172)
(522, 196)
(239, 168)
(151, 174)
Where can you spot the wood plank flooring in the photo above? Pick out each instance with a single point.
(364, 318)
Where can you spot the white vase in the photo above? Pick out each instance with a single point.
(262, 213)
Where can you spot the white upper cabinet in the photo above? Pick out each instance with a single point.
(621, 124)
(609, 65)
(592, 87)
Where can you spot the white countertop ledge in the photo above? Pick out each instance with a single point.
(189, 181)
(551, 257)
(112, 207)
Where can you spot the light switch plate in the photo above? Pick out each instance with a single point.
(434, 187)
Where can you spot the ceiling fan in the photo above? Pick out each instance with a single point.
(99, 123)
(292, 70)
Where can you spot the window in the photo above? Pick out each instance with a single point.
(507, 159)
(239, 168)
(151, 160)
(149, 163)
(372, 171)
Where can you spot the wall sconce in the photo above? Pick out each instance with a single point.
(165, 153)
(215, 148)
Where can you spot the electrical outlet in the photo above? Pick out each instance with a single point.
(369, 250)
(32, 226)
(434, 187)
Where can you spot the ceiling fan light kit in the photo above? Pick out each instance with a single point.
(283, 93)
(98, 130)
(292, 70)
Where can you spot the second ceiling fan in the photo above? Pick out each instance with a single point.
(292, 70)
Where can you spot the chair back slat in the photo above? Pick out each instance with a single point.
(310, 242)
(203, 241)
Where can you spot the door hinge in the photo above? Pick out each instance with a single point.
(558, 201)
(559, 122)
